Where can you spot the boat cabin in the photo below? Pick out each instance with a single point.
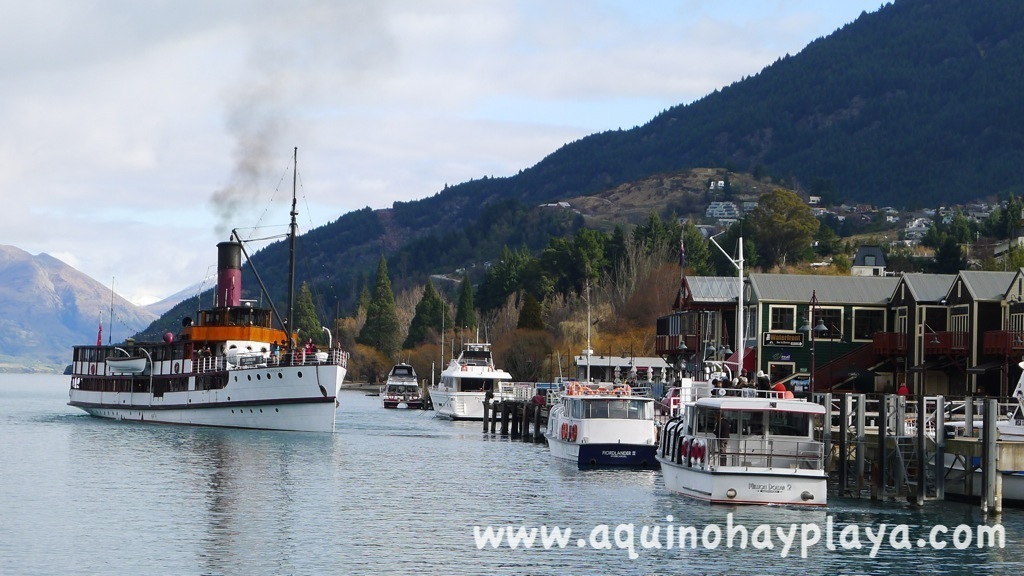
(625, 408)
(766, 431)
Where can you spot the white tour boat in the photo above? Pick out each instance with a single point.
(232, 367)
(402, 388)
(467, 381)
(744, 446)
(597, 427)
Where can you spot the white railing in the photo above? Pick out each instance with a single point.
(764, 453)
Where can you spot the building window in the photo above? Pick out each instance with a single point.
(783, 318)
(832, 319)
(866, 322)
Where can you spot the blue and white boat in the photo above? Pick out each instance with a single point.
(603, 427)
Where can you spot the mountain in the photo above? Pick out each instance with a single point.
(161, 307)
(46, 307)
(911, 106)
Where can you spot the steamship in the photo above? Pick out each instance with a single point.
(232, 366)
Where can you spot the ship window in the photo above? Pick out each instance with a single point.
(788, 424)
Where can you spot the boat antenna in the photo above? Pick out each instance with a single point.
(291, 249)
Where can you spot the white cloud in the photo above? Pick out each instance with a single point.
(122, 119)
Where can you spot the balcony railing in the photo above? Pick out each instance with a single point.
(945, 343)
(890, 343)
(1002, 342)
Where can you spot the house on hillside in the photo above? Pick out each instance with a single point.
(869, 261)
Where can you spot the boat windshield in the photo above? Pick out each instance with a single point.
(476, 384)
(722, 423)
(617, 408)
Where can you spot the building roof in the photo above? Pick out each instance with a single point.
(864, 251)
(928, 287)
(640, 362)
(986, 286)
(712, 289)
(875, 290)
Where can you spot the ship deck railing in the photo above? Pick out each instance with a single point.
(761, 452)
(220, 363)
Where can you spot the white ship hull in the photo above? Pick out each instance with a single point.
(741, 485)
(269, 398)
(458, 405)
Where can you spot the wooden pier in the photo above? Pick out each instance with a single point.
(921, 449)
(513, 418)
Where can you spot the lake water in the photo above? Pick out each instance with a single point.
(392, 492)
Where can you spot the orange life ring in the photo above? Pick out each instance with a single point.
(465, 368)
(572, 433)
(565, 430)
(92, 369)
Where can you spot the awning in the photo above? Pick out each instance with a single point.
(982, 368)
(749, 359)
(937, 364)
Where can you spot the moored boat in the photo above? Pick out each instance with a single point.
(234, 366)
(744, 446)
(603, 427)
(467, 382)
(402, 389)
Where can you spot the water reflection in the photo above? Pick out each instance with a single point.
(392, 492)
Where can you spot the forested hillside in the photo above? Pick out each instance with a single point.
(913, 105)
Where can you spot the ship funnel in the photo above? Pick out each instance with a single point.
(229, 274)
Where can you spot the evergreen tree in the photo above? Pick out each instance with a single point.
(949, 259)
(697, 252)
(783, 226)
(530, 316)
(382, 330)
(431, 314)
(306, 319)
(465, 315)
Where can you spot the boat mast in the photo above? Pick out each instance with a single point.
(738, 264)
(291, 251)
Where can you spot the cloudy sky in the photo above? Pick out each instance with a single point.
(135, 135)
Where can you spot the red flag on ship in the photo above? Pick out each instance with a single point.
(682, 252)
(99, 335)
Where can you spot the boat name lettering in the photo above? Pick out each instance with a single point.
(618, 453)
(769, 487)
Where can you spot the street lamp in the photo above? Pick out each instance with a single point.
(819, 328)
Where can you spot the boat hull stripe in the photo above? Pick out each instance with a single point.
(205, 405)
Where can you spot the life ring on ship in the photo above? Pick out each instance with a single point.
(177, 367)
(572, 433)
(697, 453)
(684, 451)
(92, 369)
(465, 368)
(565, 430)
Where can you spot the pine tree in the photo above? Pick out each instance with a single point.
(306, 319)
(530, 316)
(382, 330)
(465, 315)
(431, 314)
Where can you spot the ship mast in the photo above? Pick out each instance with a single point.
(291, 253)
